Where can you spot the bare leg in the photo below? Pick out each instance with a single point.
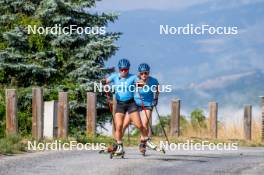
(146, 120)
(127, 121)
(119, 119)
(135, 118)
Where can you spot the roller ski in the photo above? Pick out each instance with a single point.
(119, 152)
(154, 147)
(160, 150)
(109, 149)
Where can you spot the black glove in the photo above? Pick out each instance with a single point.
(155, 102)
(140, 84)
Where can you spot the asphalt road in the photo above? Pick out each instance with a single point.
(243, 161)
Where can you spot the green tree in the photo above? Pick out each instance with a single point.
(80, 56)
(165, 122)
(184, 124)
(59, 62)
(23, 59)
(198, 119)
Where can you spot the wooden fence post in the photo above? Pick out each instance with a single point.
(37, 113)
(262, 125)
(91, 114)
(213, 111)
(63, 115)
(247, 121)
(175, 118)
(11, 112)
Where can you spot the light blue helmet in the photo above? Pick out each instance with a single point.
(123, 64)
(143, 67)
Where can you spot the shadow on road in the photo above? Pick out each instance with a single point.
(170, 158)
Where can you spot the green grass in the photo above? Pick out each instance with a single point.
(12, 145)
(15, 144)
(240, 142)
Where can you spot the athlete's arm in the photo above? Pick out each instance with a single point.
(108, 79)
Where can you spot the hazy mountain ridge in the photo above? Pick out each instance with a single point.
(221, 68)
(244, 88)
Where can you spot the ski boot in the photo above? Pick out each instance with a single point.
(109, 149)
(119, 152)
(153, 146)
(142, 147)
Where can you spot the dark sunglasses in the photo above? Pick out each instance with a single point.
(123, 70)
(144, 73)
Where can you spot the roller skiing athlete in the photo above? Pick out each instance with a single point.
(145, 99)
(124, 84)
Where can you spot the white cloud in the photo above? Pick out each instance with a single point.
(211, 41)
(239, 52)
(220, 82)
(213, 45)
(229, 4)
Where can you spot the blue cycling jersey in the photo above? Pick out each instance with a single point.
(123, 87)
(147, 92)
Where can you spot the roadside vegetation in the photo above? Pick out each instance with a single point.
(12, 144)
(194, 128)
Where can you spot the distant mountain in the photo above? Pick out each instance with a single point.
(181, 59)
(202, 68)
(233, 90)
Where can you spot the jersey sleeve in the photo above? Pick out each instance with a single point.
(111, 78)
(136, 79)
(155, 81)
(133, 79)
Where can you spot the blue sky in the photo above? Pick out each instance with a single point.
(184, 60)
(191, 62)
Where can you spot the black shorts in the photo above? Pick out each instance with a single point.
(126, 106)
(146, 107)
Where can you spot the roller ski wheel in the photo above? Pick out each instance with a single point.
(160, 150)
(118, 151)
(101, 151)
(109, 149)
(113, 154)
